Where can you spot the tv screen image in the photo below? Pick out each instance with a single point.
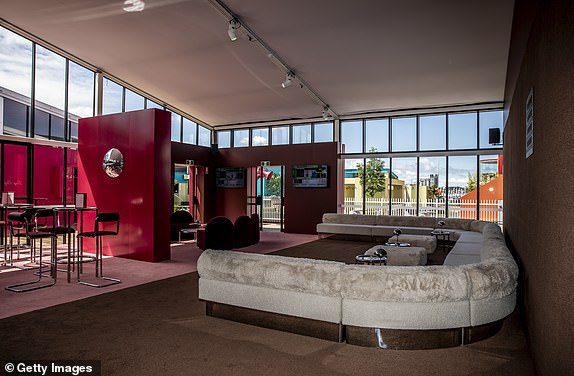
(229, 177)
(310, 176)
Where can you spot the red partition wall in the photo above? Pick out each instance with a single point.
(48, 179)
(304, 207)
(141, 194)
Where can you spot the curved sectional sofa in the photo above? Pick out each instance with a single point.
(399, 307)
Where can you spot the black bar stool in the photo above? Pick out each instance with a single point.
(34, 232)
(106, 224)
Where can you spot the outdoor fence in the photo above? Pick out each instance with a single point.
(490, 210)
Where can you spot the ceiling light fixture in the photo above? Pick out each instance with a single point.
(233, 25)
(134, 5)
(326, 113)
(288, 80)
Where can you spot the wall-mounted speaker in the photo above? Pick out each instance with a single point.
(494, 136)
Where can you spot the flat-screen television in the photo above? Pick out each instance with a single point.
(310, 176)
(229, 177)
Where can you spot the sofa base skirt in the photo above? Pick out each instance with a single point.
(402, 339)
(297, 325)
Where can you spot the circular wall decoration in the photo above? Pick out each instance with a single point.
(113, 163)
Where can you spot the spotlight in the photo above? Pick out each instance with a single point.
(326, 114)
(233, 25)
(288, 80)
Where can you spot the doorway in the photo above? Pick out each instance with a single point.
(188, 189)
(266, 196)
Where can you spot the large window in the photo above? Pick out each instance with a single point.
(404, 134)
(112, 97)
(279, 135)
(323, 132)
(189, 131)
(461, 185)
(133, 101)
(224, 139)
(432, 131)
(204, 137)
(260, 137)
(175, 127)
(80, 97)
(240, 138)
(489, 120)
(352, 136)
(432, 186)
(50, 90)
(462, 131)
(301, 134)
(377, 135)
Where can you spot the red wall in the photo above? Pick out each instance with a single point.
(141, 194)
(304, 207)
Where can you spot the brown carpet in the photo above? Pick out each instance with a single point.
(160, 328)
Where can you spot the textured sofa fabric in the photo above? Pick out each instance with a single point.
(392, 297)
(294, 286)
(402, 256)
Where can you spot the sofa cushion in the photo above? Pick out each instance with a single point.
(285, 273)
(341, 228)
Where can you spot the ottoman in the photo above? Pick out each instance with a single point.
(402, 256)
(426, 242)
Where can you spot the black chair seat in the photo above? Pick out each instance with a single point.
(40, 235)
(63, 230)
(93, 234)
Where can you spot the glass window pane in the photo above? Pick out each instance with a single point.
(462, 131)
(352, 136)
(15, 63)
(71, 172)
(189, 131)
(323, 132)
(56, 128)
(404, 134)
(353, 199)
(134, 101)
(16, 170)
(175, 127)
(50, 82)
(260, 137)
(204, 137)
(491, 188)
(377, 135)
(279, 135)
(432, 186)
(80, 92)
(432, 132)
(42, 128)
(240, 138)
(224, 139)
(461, 185)
(152, 104)
(73, 131)
(112, 97)
(48, 161)
(404, 186)
(487, 120)
(302, 134)
(377, 182)
(15, 118)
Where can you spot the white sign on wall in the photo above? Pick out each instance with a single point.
(530, 123)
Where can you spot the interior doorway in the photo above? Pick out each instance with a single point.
(266, 196)
(188, 189)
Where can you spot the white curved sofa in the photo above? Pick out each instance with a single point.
(454, 304)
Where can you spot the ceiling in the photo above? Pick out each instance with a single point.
(359, 56)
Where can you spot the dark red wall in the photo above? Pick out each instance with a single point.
(538, 199)
(304, 207)
(141, 194)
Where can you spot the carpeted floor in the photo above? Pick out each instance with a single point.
(160, 328)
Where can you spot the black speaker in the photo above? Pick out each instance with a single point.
(494, 135)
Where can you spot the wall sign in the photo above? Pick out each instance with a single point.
(530, 123)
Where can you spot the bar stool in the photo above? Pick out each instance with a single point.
(18, 225)
(32, 233)
(68, 230)
(106, 224)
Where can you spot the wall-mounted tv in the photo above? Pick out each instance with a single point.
(310, 176)
(229, 177)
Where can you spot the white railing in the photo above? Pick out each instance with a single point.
(271, 209)
(490, 210)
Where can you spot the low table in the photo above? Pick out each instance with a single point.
(442, 239)
(402, 256)
(189, 231)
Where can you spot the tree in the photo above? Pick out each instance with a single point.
(273, 186)
(485, 177)
(373, 174)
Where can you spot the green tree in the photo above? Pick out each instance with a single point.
(484, 178)
(273, 186)
(373, 174)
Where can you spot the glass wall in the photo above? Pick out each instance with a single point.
(224, 139)
(435, 174)
(260, 137)
(280, 135)
(323, 132)
(301, 134)
(189, 132)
